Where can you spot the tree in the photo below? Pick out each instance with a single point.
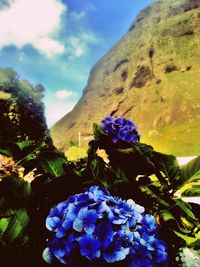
(22, 111)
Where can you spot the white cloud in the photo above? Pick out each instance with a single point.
(49, 47)
(89, 37)
(63, 94)
(79, 45)
(32, 22)
(57, 110)
(77, 16)
(77, 48)
(75, 72)
(83, 13)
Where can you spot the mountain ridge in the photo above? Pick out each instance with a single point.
(150, 76)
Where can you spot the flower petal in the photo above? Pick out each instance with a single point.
(47, 255)
(89, 229)
(78, 225)
(52, 223)
(61, 232)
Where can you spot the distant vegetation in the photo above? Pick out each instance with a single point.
(75, 153)
(21, 108)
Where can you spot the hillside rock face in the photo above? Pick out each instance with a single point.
(152, 76)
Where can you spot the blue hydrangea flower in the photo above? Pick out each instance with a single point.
(142, 263)
(160, 251)
(54, 219)
(85, 221)
(60, 249)
(99, 227)
(104, 232)
(126, 236)
(52, 223)
(89, 246)
(114, 251)
(120, 129)
(149, 223)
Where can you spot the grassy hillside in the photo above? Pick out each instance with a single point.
(152, 75)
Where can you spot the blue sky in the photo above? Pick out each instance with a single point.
(56, 43)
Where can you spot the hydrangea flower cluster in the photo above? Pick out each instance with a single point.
(120, 129)
(104, 230)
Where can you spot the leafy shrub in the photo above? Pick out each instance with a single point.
(21, 109)
(135, 170)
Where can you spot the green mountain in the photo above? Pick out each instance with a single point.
(152, 76)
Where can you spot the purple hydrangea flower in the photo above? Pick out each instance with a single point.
(120, 129)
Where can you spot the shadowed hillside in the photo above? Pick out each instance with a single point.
(152, 76)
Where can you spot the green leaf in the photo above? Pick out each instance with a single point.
(94, 165)
(20, 151)
(54, 166)
(167, 215)
(4, 222)
(97, 130)
(154, 193)
(176, 222)
(18, 222)
(24, 144)
(190, 172)
(120, 175)
(10, 149)
(194, 191)
(189, 239)
(185, 207)
(15, 189)
(26, 158)
(167, 164)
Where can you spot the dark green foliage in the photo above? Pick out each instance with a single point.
(191, 171)
(24, 206)
(8, 117)
(194, 191)
(134, 171)
(15, 196)
(22, 111)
